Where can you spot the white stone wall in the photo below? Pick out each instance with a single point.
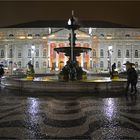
(120, 39)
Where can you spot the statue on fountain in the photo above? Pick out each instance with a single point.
(30, 72)
(72, 71)
(114, 72)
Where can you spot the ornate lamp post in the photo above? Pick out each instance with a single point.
(72, 26)
(11, 67)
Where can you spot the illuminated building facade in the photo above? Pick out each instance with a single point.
(18, 46)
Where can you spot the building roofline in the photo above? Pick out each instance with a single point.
(63, 23)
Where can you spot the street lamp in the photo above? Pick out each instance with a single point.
(11, 67)
(109, 57)
(33, 53)
(90, 31)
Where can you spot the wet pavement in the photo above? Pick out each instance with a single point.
(79, 117)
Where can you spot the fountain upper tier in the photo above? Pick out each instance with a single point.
(76, 50)
(72, 51)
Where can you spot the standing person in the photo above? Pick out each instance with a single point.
(1, 71)
(132, 77)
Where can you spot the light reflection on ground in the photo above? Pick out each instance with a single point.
(33, 105)
(109, 108)
(68, 117)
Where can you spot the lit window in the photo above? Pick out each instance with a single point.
(2, 53)
(37, 64)
(119, 53)
(44, 36)
(136, 54)
(109, 37)
(101, 64)
(127, 53)
(29, 52)
(101, 53)
(19, 54)
(94, 53)
(44, 53)
(37, 52)
(22, 37)
(29, 36)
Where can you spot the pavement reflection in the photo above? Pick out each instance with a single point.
(69, 117)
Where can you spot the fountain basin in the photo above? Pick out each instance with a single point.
(55, 86)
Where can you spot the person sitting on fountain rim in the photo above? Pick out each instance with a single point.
(132, 77)
(114, 74)
(30, 71)
(113, 67)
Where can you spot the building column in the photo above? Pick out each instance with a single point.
(6, 52)
(57, 59)
(82, 60)
(48, 57)
(65, 60)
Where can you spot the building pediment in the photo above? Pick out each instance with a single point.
(64, 34)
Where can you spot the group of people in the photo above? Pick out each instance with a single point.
(132, 78)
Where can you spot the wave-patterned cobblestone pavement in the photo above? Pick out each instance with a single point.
(69, 118)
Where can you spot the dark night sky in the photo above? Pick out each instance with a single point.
(15, 12)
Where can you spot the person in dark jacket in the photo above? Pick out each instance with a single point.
(1, 71)
(132, 78)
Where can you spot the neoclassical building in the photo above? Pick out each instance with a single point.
(18, 46)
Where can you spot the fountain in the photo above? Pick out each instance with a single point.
(75, 76)
(72, 71)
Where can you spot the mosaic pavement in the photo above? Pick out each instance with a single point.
(69, 118)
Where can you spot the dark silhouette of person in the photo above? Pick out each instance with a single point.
(114, 74)
(1, 71)
(30, 71)
(132, 78)
(113, 67)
